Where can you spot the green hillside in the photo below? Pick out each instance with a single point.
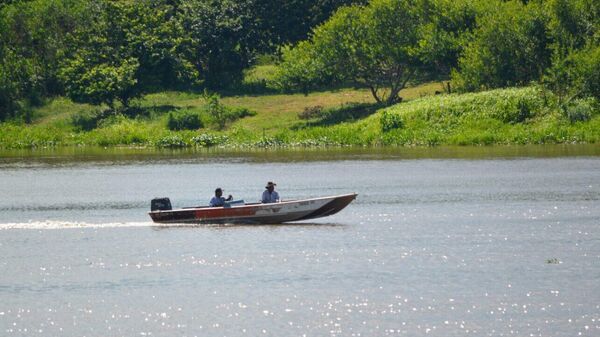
(342, 117)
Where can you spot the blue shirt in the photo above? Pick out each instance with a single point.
(270, 197)
(217, 201)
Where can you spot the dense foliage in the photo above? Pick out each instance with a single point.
(109, 53)
(376, 46)
(480, 44)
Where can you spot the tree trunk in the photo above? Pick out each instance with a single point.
(393, 98)
(374, 93)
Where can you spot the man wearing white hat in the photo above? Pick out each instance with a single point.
(270, 195)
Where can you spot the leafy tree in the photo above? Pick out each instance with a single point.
(376, 47)
(224, 38)
(9, 88)
(510, 48)
(99, 67)
(574, 24)
(125, 51)
(447, 28)
(37, 31)
(303, 68)
(103, 82)
(156, 38)
(16, 81)
(228, 35)
(575, 76)
(290, 21)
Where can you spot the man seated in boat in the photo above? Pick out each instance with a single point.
(219, 200)
(270, 195)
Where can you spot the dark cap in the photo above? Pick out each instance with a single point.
(218, 190)
(270, 184)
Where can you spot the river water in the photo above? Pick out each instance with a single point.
(442, 242)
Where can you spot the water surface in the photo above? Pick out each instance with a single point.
(496, 244)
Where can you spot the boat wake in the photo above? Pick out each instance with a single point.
(53, 224)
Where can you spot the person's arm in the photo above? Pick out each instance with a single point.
(264, 199)
(275, 197)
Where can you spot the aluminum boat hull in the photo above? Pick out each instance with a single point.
(257, 213)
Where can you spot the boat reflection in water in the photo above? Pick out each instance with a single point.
(252, 213)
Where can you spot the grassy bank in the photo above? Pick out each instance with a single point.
(328, 118)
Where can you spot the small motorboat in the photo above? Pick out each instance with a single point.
(252, 213)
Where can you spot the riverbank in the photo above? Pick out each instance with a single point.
(329, 118)
(107, 156)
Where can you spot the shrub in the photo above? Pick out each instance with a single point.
(579, 110)
(221, 114)
(238, 113)
(184, 120)
(215, 109)
(86, 120)
(208, 140)
(311, 112)
(269, 142)
(390, 121)
(515, 109)
(172, 141)
(509, 48)
(523, 111)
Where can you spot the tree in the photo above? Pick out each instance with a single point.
(448, 26)
(103, 82)
(9, 87)
(575, 76)
(99, 67)
(127, 49)
(376, 46)
(224, 38)
(510, 47)
(290, 21)
(37, 31)
(573, 24)
(17, 83)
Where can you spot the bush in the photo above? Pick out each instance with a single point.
(221, 114)
(238, 113)
(579, 110)
(86, 120)
(173, 141)
(184, 120)
(510, 47)
(523, 111)
(516, 109)
(390, 121)
(311, 112)
(215, 109)
(575, 76)
(208, 140)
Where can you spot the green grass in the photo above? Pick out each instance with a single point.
(347, 117)
(504, 116)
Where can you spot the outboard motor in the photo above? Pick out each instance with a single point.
(160, 204)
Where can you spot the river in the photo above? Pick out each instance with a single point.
(497, 241)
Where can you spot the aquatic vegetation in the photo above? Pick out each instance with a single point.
(173, 141)
(208, 140)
